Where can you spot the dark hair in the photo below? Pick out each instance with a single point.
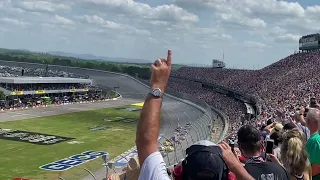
(289, 126)
(262, 127)
(277, 137)
(270, 121)
(249, 139)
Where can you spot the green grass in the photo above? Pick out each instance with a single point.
(19, 159)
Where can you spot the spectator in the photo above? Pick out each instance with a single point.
(294, 156)
(153, 166)
(301, 123)
(277, 137)
(258, 167)
(313, 143)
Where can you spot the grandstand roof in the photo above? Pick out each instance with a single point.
(42, 80)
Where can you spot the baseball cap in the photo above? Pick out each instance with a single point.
(204, 161)
(278, 127)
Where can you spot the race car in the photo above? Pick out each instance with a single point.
(167, 143)
(169, 148)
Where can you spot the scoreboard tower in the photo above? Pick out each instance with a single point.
(309, 43)
(218, 64)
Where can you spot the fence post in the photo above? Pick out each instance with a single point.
(91, 173)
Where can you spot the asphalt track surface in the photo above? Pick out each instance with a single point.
(61, 109)
(174, 112)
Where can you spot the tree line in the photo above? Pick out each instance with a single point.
(136, 71)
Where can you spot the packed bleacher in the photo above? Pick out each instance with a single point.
(282, 142)
(234, 109)
(47, 86)
(282, 86)
(13, 71)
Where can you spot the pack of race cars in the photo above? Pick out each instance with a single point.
(179, 135)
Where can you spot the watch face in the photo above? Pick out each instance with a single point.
(157, 92)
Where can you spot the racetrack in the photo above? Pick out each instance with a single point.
(174, 112)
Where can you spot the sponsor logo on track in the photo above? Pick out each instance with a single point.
(75, 142)
(31, 137)
(129, 109)
(73, 161)
(97, 128)
(128, 120)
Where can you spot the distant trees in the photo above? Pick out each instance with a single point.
(2, 95)
(133, 70)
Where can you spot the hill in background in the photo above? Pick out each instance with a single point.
(93, 57)
(43, 57)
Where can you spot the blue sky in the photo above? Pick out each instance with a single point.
(252, 33)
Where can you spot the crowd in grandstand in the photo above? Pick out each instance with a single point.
(234, 109)
(17, 102)
(283, 142)
(13, 71)
(31, 101)
(46, 86)
(281, 87)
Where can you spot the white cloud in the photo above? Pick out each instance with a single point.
(5, 3)
(292, 38)
(13, 21)
(43, 6)
(190, 27)
(242, 21)
(62, 20)
(252, 44)
(132, 8)
(100, 21)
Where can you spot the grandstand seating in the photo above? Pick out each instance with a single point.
(281, 86)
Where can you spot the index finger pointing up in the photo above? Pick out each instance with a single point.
(169, 58)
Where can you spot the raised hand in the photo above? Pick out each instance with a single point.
(161, 70)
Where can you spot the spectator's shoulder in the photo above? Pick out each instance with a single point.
(154, 168)
(315, 138)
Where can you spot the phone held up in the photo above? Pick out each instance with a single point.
(269, 146)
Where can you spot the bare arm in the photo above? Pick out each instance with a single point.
(148, 127)
(233, 163)
(269, 127)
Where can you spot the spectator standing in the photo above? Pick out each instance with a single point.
(313, 143)
(277, 137)
(301, 123)
(153, 166)
(294, 156)
(249, 142)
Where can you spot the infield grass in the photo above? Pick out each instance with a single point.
(20, 159)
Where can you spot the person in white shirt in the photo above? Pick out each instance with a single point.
(152, 164)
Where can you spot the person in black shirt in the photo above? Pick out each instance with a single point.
(257, 165)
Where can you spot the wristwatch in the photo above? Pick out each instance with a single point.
(156, 93)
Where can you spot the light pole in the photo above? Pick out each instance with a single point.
(105, 159)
